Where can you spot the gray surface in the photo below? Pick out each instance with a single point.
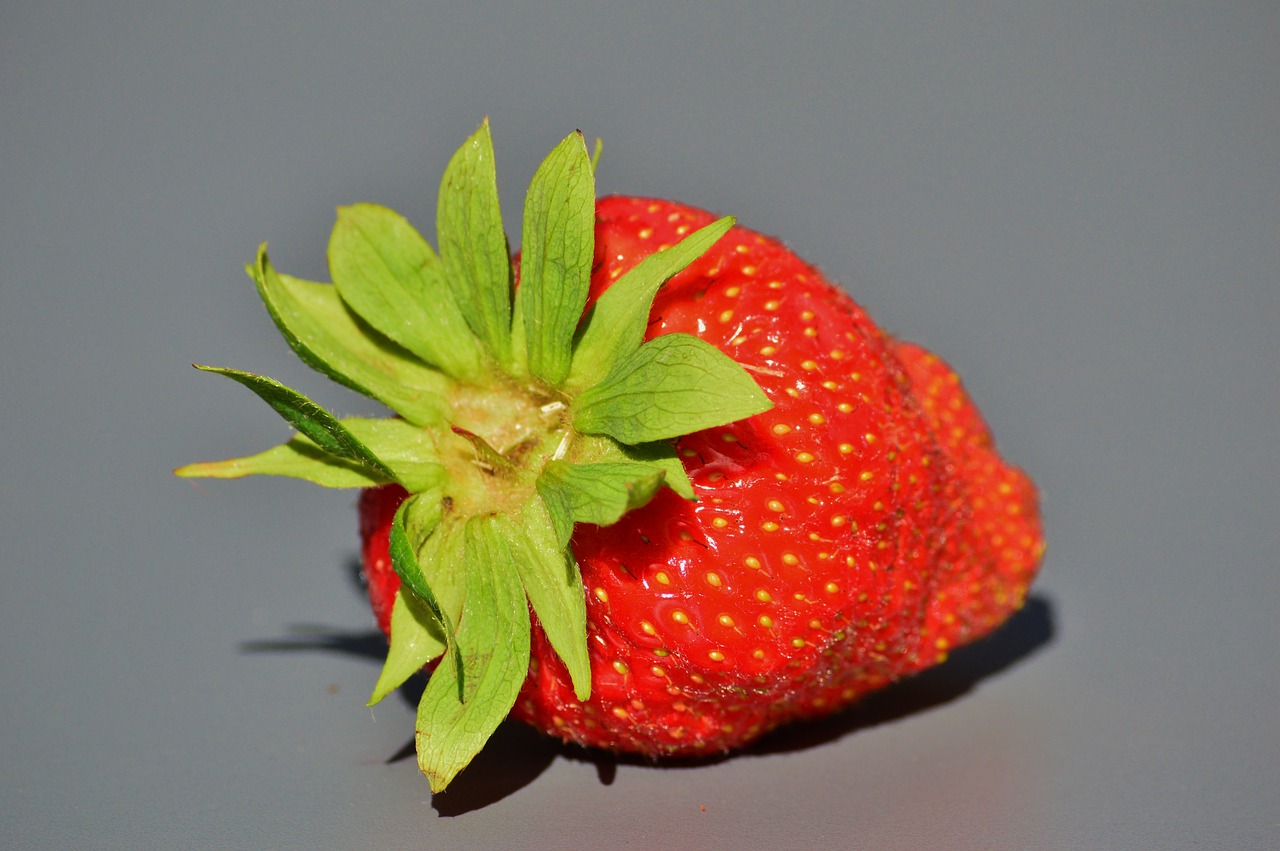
(1075, 203)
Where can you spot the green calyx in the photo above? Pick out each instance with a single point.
(517, 417)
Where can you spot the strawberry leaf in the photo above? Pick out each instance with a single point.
(471, 692)
(553, 584)
(388, 274)
(415, 522)
(308, 418)
(616, 324)
(556, 255)
(595, 493)
(298, 459)
(417, 637)
(331, 340)
(672, 385)
(662, 454)
(473, 244)
(406, 450)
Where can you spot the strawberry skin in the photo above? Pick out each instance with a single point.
(846, 538)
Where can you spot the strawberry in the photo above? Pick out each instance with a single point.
(672, 490)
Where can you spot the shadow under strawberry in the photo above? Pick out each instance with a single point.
(517, 754)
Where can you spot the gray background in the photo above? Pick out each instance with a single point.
(1075, 203)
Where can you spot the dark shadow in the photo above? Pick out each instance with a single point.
(513, 758)
(516, 754)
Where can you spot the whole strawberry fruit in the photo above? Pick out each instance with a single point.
(671, 491)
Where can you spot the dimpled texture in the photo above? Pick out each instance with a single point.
(844, 539)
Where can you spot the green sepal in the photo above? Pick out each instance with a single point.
(297, 459)
(662, 453)
(553, 584)
(327, 337)
(387, 273)
(416, 520)
(473, 244)
(405, 448)
(311, 420)
(595, 155)
(471, 692)
(556, 256)
(673, 385)
(616, 324)
(417, 638)
(595, 493)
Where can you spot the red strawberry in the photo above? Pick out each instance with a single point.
(822, 546)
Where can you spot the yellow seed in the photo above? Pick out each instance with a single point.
(833, 588)
(726, 315)
(645, 233)
(748, 270)
(757, 654)
(846, 448)
(776, 285)
(602, 595)
(752, 562)
(807, 315)
(658, 671)
(839, 520)
(809, 365)
(817, 419)
(621, 667)
(767, 350)
(772, 304)
(776, 505)
(713, 579)
(725, 621)
(662, 577)
(732, 292)
(804, 457)
(844, 407)
(797, 642)
(866, 475)
(763, 596)
(769, 526)
(680, 617)
(716, 656)
(765, 621)
(781, 428)
(790, 559)
(647, 628)
(620, 712)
